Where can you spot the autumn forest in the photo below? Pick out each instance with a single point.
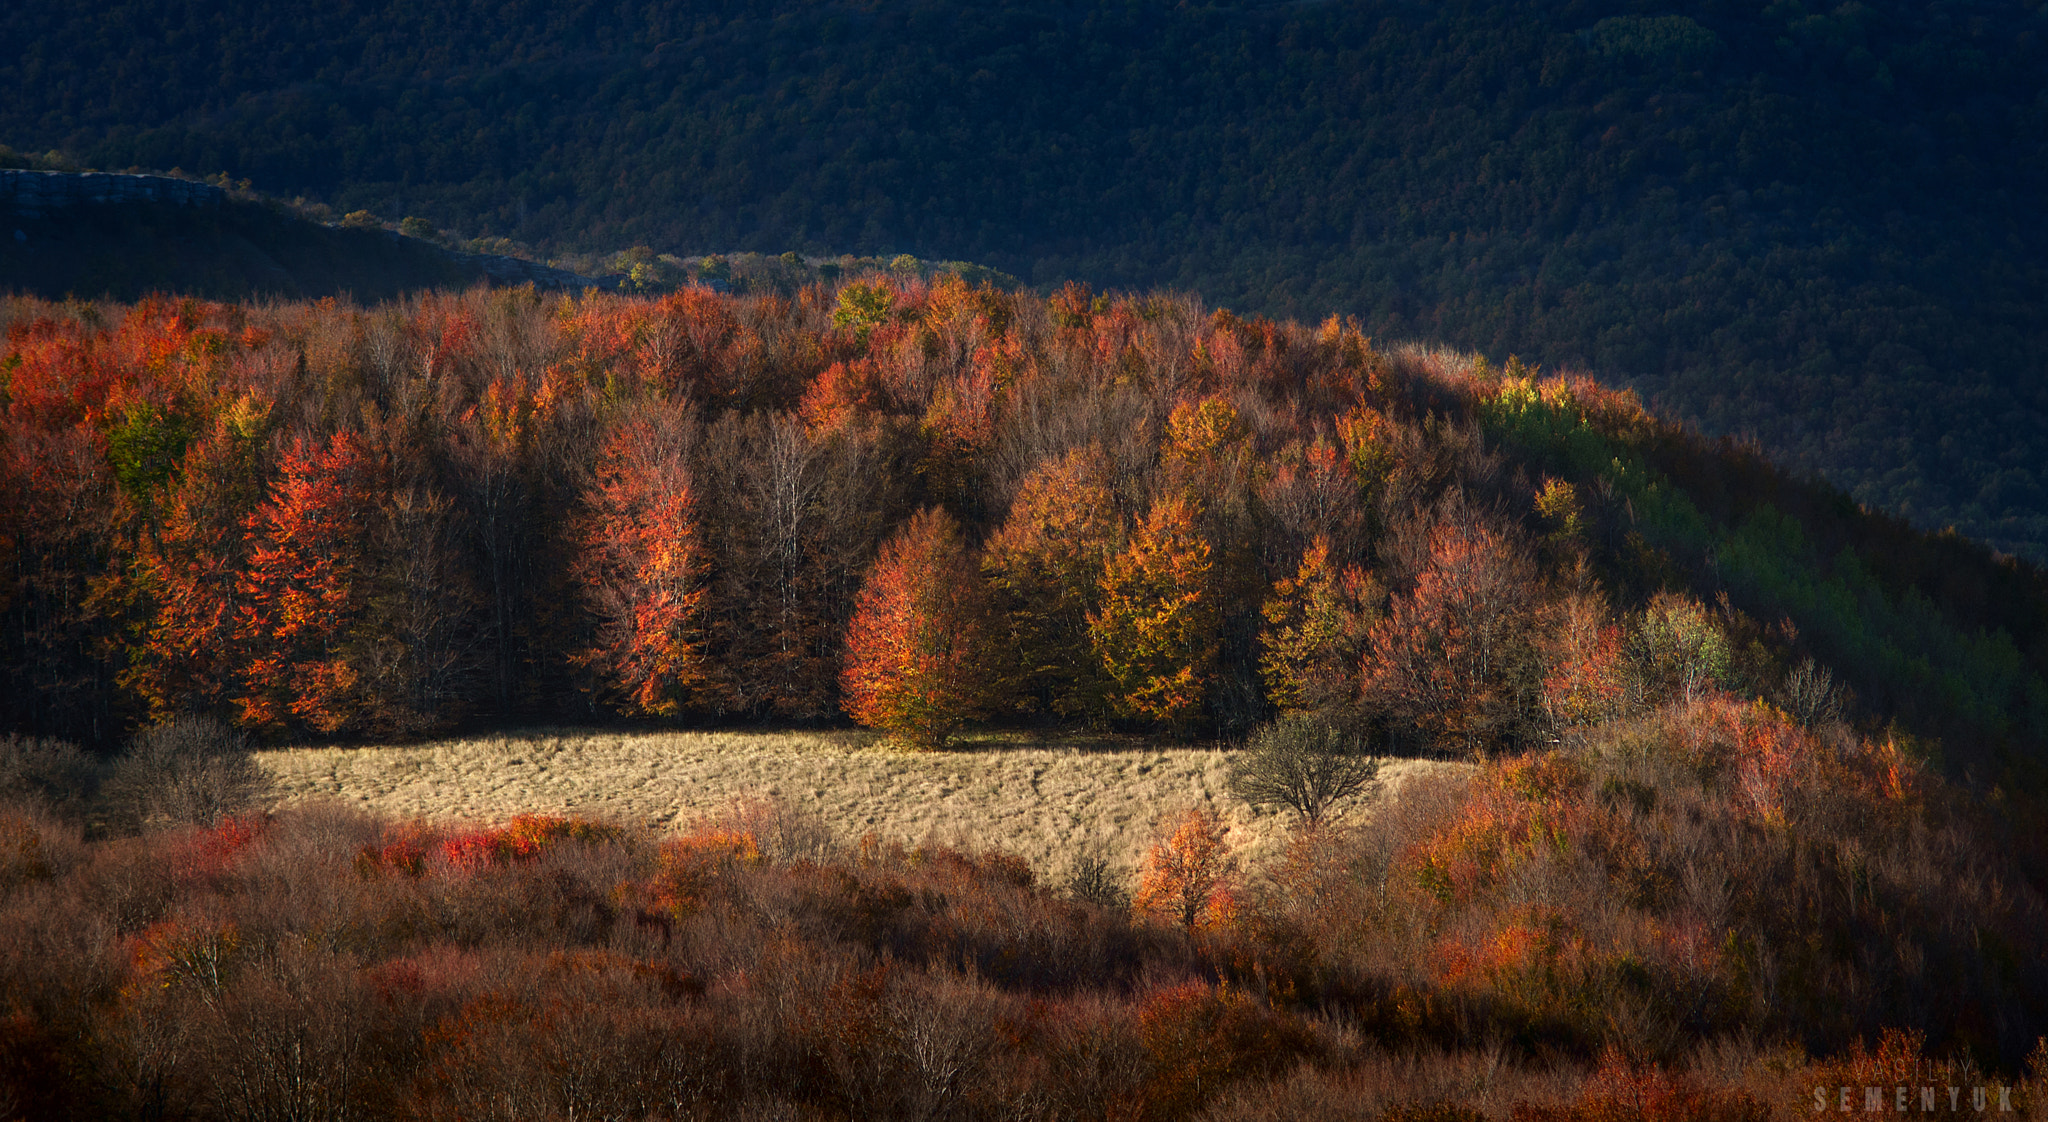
(919, 503)
(1752, 785)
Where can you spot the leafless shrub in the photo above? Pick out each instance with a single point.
(1462, 1086)
(576, 1034)
(189, 771)
(127, 882)
(1093, 879)
(55, 775)
(1095, 1060)
(1811, 696)
(939, 1036)
(1305, 762)
(314, 835)
(289, 1040)
(36, 845)
(784, 833)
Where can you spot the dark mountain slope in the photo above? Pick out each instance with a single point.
(125, 236)
(1816, 225)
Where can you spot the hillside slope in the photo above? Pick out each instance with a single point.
(1813, 224)
(126, 236)
(1671, 869)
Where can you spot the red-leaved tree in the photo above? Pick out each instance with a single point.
(642, 569)
(305, 587)
(1454, 658)
(353, 613)
(918, 654)
(189, 655)
(1587, 677)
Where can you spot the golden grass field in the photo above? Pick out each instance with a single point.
(1046, 801)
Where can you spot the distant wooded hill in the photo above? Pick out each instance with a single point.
(127, 236)
(1815, 224)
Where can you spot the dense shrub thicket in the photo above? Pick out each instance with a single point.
(1705, 912)
(921, 502)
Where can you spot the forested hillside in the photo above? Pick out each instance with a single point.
(1748, 777)
(1814, 224)
(923, 503)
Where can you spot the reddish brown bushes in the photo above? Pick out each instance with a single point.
(323, 966)
(1647, 1093)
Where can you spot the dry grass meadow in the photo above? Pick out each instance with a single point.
(1047, 801)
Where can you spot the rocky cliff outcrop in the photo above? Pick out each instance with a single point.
(33, 194)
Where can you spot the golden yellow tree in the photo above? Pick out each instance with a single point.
(1157, 629)
(1316, 627)
(1045, 566)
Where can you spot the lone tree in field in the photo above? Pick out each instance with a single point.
(918, 652)
(1187, 871)
(1304, 762)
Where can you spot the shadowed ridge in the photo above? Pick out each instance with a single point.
(111, 236)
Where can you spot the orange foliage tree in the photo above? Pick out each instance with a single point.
(1201, 1039)
(1045, 566)
(1208, 459)
(1157, 629)
(1207, 452)
(919, 660)
(1188, 871)
(641, 569)
(304, 586)
(1317, 623)
(1587, 681)
(352, 612)
(188, 658)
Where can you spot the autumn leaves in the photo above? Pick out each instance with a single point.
(1071, 611)
(920, 656)
(916, 503)
(642, 570)
(926, 653)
